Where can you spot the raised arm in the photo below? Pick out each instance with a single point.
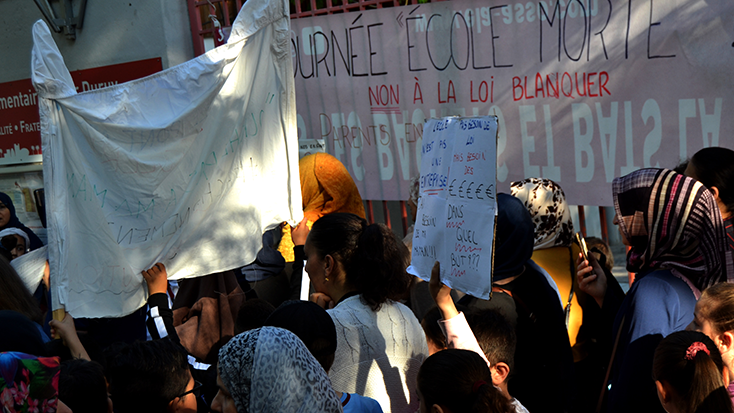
(160, 315)
(67, 332)
(454, 325)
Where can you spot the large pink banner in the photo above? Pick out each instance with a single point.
(585, 90)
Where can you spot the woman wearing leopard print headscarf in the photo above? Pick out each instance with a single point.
(270, 370)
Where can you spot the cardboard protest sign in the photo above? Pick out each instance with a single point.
(308, 146)
(457, 208)
(186, 167)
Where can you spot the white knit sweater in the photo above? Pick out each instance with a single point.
(378, 353)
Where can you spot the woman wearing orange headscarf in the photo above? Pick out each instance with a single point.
(326, 187)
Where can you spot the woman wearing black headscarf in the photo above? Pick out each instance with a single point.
(8, 219)
(543, 372)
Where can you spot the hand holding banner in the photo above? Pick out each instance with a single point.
(170, 168)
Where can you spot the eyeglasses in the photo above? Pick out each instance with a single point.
(196, 390)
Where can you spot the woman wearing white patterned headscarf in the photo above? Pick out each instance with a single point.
(552, 248)
(270, 370)
(555, 253)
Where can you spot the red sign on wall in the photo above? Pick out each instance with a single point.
(20, 129)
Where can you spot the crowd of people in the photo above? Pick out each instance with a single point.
(558, 333)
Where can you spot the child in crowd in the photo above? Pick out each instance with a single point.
(8, 219)
(151, 377)
(496, 337)
(495, 332)
(714, 316)
(15, 240)
(456, 380)
(160, 326)
(313, 325)
(82, 386)
(687, 371)
(536, 307)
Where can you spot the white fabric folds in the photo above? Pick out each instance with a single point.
(187, 167)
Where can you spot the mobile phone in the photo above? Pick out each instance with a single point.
(582, 244)
(584, 251)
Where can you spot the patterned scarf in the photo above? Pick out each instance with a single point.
(415, 189)
(270, 370)
(28, 383)
(547, 205)
(671, 222)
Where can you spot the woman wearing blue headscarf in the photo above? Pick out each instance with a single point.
(8, 219)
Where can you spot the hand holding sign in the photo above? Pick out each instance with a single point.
(441, 294)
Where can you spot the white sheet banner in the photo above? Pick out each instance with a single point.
(457, 208)
(187, 167)
(585, 90)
